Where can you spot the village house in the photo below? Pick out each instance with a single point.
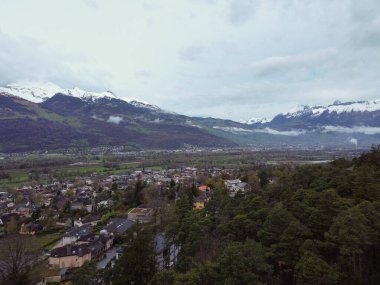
(92, 220)
(142, 215)
(30, 228)
(236, 186)
(166, 252)
(204, 188)
(105, 239)
(69, 256)
(23, 211)
(87, 248)
(200, 202)
(64, 222)
(77, 206)
(73, 234)
(118, 226)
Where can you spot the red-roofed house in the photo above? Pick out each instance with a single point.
(204, 188)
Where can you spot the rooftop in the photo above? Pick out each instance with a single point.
(119, 225)
(141, 211)
(70, 250)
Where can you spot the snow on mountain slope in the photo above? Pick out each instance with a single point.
(86, 95)
(141, 104)
(255, 121)
(360, 106)
(337, 107)
(38, 92)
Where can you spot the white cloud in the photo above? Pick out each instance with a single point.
(233, 129)
(353, 141)
(91, 3)
(115, 119)
(143, 73)
(367, 34)
(286, 63)
(292, 133)
(224, 58)
(241, 11)
(192, 53)
(27, 59)
(353, 130)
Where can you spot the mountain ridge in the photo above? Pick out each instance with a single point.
(63, 121)
(40, 92)
(75, 117)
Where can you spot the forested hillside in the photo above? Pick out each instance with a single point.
(316, 225)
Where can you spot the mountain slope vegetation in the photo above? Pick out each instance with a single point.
(64, 121)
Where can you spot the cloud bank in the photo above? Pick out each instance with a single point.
(352, 130)
(233, 59)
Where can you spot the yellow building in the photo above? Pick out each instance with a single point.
(200, 202)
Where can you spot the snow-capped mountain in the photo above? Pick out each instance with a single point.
(74, 118)
(346, 115)
(33, 92)
(253, 121)
(88, 96)
(38, 92)
(63, 118)
(337, 108)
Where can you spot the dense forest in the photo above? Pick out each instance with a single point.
(317, 224)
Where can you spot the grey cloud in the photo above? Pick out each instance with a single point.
(365, 30)
(241, 11)
(91, 3)
(364, 10)
(298, 52)
(275, 64)
(267, 98)
(192, 53)
(24, 58)
(367, 35)
(318, 91)
(208, 2)
(143, 73)
(150, 5)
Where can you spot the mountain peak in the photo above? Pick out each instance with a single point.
(87, 95)
(337, 107)
(253, 121)
(36, 92)
(299, 111)
(39, 92)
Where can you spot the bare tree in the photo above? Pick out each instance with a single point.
(17, 262)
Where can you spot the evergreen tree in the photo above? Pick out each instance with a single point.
(313, 270)
(85, 275)
(137, 264)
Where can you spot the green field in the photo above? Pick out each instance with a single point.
(21, 177)
(32, 243)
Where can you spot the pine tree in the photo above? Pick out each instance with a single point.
(137, 264)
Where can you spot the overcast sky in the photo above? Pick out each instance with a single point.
(232, 59)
